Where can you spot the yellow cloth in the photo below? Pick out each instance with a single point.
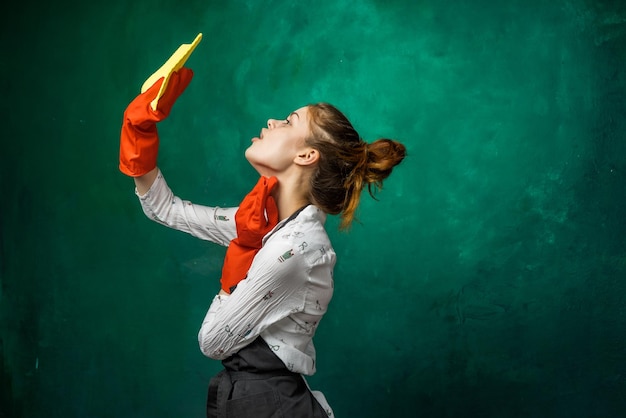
(174, 63)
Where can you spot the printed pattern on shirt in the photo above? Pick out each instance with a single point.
(286, 256)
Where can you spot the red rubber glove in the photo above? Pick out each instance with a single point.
(139, 140)
(252, 225)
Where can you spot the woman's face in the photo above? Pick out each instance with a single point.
(278, 146)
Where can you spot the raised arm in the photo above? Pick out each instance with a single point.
(210, 223)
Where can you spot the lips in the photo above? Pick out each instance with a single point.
(260, 137)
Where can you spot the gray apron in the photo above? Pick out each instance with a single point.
(256, 384)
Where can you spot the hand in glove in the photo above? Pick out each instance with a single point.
(139, 140)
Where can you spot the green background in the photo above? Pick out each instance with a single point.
(489, 280)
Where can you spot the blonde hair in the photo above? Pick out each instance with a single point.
(347, 163)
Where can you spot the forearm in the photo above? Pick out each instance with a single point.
(272, 291)
(143, 183)
(159, 204)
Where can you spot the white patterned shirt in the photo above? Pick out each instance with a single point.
(286, 292)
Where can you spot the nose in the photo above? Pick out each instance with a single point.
(272, 123)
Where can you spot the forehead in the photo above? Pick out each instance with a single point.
(303, 113)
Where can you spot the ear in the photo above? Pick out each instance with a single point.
(307, 156)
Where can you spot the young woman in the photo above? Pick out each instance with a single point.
(277, 278)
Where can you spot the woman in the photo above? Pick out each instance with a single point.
(277, 275)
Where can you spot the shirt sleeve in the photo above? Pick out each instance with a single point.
(213, 224)
(275, 288)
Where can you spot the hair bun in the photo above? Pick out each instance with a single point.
(382, 156)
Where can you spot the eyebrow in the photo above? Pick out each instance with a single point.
(294, 113)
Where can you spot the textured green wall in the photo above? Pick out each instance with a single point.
(489, 280)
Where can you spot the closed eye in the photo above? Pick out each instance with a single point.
(287, 121)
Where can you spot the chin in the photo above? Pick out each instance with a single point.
(263, 171)
(250, 157)
(259, 166)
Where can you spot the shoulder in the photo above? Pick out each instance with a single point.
(296, 255)
(305, 236)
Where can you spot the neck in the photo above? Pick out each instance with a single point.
(290, 194)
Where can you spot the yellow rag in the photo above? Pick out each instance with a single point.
(174, 63)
